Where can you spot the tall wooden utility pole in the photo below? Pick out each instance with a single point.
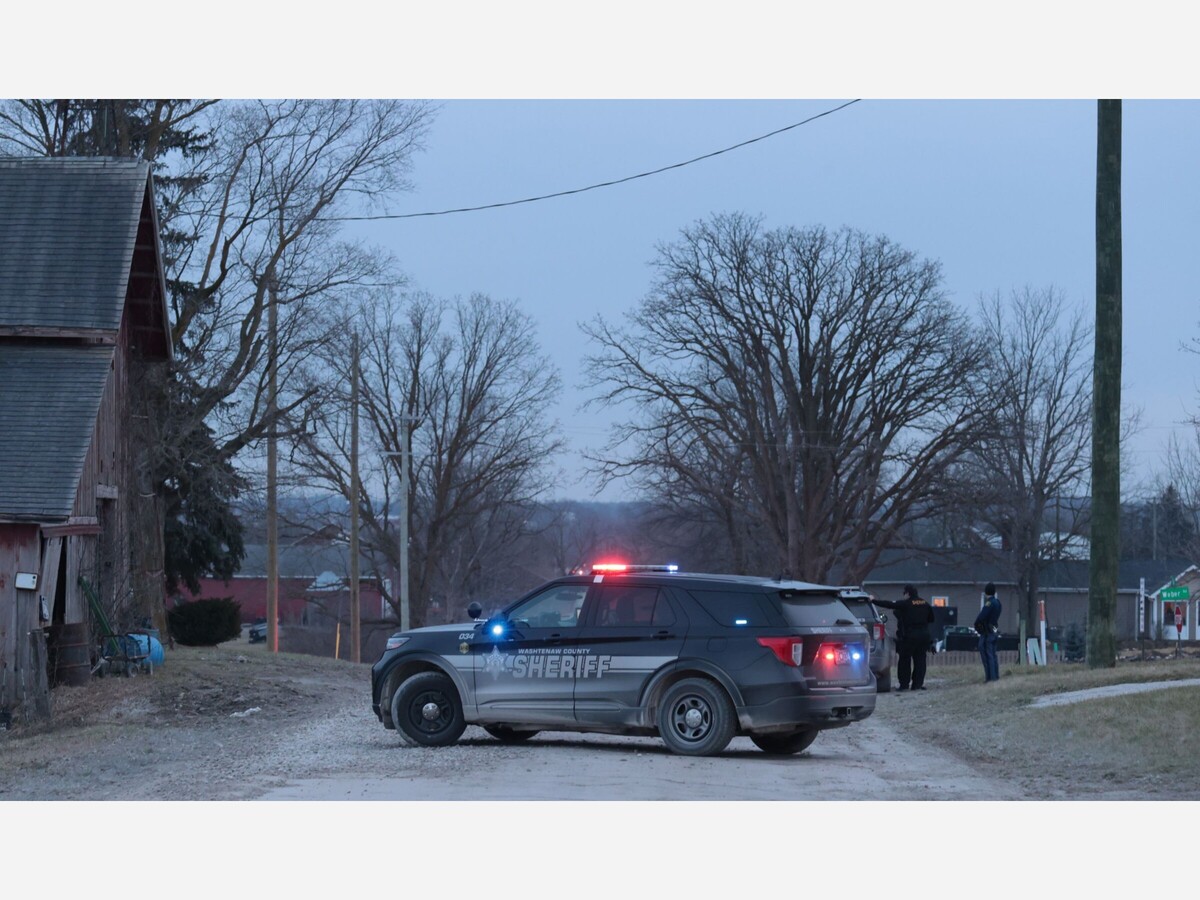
(1106, 392)
(272, 508)
(355, 609)
(404, 608)
(405, 437)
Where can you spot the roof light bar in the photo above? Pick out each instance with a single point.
(598, 568)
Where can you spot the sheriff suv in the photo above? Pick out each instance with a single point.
(638, 650)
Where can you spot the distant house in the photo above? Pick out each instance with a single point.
(1168, 598)
(82, 315)
(314, 584)
(956, 579)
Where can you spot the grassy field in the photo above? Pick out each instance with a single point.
(1137, 746)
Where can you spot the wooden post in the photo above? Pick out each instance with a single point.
(272, 450)
(355, 610)
(1106, 401)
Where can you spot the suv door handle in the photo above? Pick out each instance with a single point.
(662, 635)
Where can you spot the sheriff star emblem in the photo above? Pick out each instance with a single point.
(494, 663)
(464, 647)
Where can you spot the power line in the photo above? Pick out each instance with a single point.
(592, 187)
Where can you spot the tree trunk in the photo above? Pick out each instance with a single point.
(1106, 418)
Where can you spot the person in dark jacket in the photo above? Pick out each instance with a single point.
(913, 617)
(987, 624)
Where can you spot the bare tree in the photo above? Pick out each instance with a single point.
(468, 385)
(249, 195)
(823, 379)
(278, 176)
(1178, 500)
(1036, 450)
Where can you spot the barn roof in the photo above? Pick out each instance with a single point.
(70, 227)
(49, 398)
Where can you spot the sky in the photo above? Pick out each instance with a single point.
(974, 144)
(1000, 192)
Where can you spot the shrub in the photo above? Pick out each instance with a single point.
(205, 623)
(1074, 643)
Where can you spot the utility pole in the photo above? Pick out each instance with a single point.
(1106, 402)
(355, 610)
(405, 434)
(404, 608)
(272, 508)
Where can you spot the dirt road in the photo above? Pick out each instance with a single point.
(230, 723)
(870, 760)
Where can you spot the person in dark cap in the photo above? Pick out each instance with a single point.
(987, 624)
(913, 617)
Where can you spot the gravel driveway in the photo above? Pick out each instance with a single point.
(234, 722)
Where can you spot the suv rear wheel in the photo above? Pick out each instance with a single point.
(785, 744)
(508, 735)
(696, 718)
(427, 711)
(884, 682)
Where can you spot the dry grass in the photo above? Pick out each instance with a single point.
(1135, 743)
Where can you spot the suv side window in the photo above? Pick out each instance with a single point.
(558, 607)
(632, 605)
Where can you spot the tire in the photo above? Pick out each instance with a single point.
(884, 682)
(696, 718)
(785, 744)
(507, 735)
(427, 711)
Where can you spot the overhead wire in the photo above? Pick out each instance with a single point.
(591, 187)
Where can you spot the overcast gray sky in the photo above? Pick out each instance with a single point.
(1000, 192)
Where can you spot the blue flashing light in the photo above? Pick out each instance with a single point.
(740, 621)
(497, 629)
(856, 656)
(675, 568)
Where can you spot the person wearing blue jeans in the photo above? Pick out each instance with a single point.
(987, 624)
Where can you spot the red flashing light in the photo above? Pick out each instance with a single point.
(609, 567)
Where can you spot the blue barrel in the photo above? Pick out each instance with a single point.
(148, 643)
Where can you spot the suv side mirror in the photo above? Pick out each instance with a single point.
(474, 610)
(883, 618)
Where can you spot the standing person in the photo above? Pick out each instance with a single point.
(913, 616)
(987, 623)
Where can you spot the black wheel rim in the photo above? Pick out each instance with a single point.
(417, 712)
(691, 719)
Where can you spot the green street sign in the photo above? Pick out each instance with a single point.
(1174, 593)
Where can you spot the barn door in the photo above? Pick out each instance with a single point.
(48, 580)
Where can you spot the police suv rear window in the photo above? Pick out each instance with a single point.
(811, 610)
(735, 609)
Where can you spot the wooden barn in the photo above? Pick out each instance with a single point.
(83, 319)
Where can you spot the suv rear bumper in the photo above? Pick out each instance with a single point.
(818, 709)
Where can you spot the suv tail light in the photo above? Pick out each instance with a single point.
(880, 631)
(790, 650)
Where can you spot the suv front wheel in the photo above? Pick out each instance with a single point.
(696, 718)
(427, 711)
